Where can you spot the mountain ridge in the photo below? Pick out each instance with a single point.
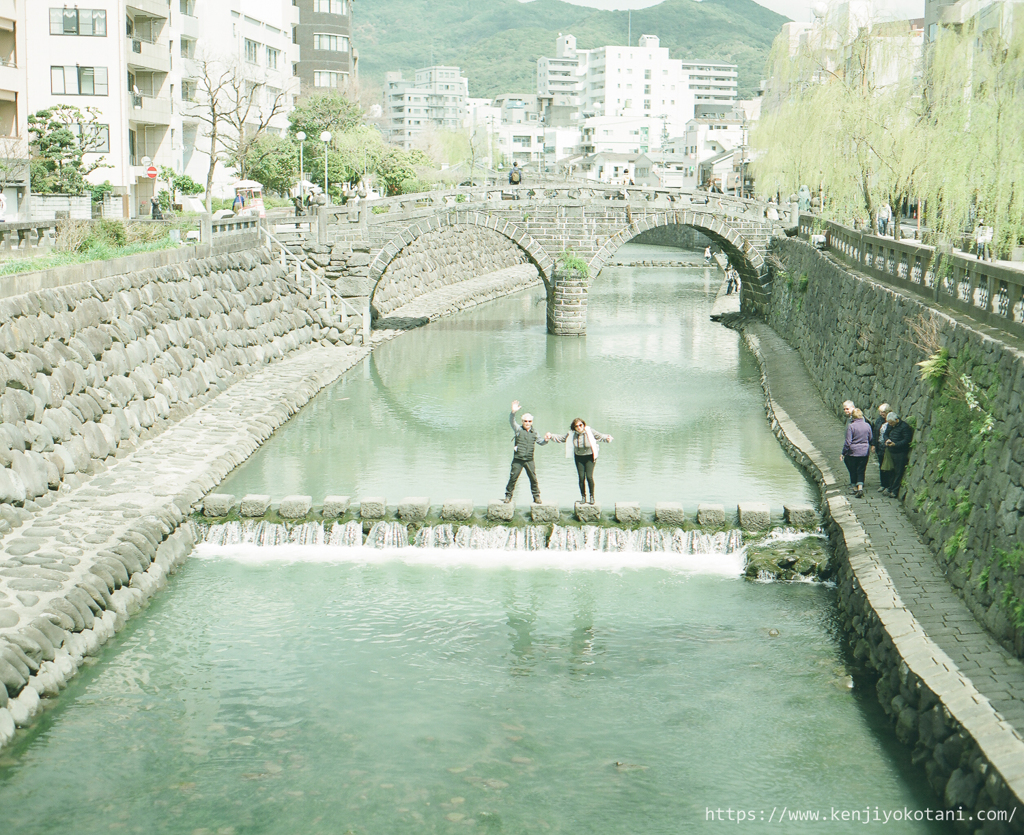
(497, 43)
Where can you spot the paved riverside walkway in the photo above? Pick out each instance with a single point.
(916, 578)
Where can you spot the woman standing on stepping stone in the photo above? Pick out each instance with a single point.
(584, 450)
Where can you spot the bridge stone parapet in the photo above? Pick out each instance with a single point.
(544, 223)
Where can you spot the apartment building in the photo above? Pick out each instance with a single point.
(137, 66)
(640, 83)
(324, 36)
(13, 109)
(436, 97)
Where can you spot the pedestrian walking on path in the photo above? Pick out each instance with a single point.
(584, 450)
(856, 449)
(897, 442)
(525, 440)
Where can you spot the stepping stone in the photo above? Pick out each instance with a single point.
(802, 516)
(588, 514)
(755, 516)
(669, 513)
(218, 504)
(254, 505)
(711, 515)
(627, 513)
(457, 510)
(413, 509)
(501, 511)
(295, 507)
(336, 506)
(544, 514)
(373, 508)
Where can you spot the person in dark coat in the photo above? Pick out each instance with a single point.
(897, 441)
(525, 440)
(880, 427)
(856, 449)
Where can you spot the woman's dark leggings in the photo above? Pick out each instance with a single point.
(585, 470)
(856, 464)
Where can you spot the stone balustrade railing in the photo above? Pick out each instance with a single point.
(529, 197)
(27, 237)
(990, 292)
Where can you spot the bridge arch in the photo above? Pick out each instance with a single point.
(742, 251)
(398, 242)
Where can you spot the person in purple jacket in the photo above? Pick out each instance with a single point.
(856, 450)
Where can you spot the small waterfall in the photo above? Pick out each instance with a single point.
(388, 535)
(348, 535)
(392, 535)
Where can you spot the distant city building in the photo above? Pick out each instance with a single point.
(640, 83)
(436, 97)
(326, 58)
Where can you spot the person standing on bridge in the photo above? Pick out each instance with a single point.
(584, 451)
(856, 449)
(525, 439)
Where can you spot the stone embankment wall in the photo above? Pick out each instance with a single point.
(964, 487)
(88, 370)
(949, 735)
(445, 256)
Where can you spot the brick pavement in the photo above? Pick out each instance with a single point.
(916, 582)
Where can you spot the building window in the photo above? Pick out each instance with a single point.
(93, 139)
(188, 7)
(188, 90)
(251, 52)
(66, 21)
(78, 81)
(188, 48)
(328, 79)
(330, 6)
(272, 56)
(330, 43)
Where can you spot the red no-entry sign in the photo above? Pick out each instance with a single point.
(151, 172)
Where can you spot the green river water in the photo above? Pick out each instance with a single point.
(318, 689)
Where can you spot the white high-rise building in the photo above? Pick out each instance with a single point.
(633, 95)
(436, 97)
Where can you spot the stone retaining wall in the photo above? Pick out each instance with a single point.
(89, 369)
(964, 487)
(967, 755)
(443, 256)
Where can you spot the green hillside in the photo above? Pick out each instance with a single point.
(497, 42)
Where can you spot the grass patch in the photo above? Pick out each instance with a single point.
(96, 252)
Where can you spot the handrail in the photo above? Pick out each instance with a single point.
(301, 265)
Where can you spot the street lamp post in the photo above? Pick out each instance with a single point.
(301, 136)
(325, 137)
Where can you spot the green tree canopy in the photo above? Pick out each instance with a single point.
(61, 137)
(318, 112)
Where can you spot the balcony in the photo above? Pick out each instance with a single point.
(148, 110)
(150, 8)
(10, 79)
(189, 26)
(143, 55)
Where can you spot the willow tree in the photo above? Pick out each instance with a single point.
(975, 157)
(840, 117)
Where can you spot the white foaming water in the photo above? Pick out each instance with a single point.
(568, 548)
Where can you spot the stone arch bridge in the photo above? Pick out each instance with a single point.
(543, 222)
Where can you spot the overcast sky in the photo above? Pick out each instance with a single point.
(793, 9)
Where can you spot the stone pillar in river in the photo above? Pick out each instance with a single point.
(567, 302)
